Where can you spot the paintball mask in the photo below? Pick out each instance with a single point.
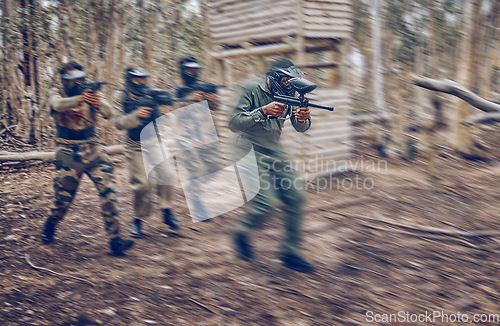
(72, 81)
(189, 77)
(136, 89)
(280, 69)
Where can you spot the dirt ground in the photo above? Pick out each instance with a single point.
(388, 249)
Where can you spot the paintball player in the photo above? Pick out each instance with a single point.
(192, 87)
(75, 110)
(260, 121)
(205, 159)
(134, 109)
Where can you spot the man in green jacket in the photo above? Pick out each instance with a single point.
(260, 121)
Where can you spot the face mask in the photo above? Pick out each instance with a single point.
(189, 79)
(74, 90)
(76, 78)
(277, 86)
(137, 89)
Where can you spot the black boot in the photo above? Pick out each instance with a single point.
(119, 246)
(170, 220)
(297, 263)
(242, 246)
(49, 229)
(136, 231)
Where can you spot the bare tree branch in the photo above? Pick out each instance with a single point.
(453, 88)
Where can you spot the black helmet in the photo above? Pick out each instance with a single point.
(279, 69)
(72, 71)
(189, 62)
(139, 72)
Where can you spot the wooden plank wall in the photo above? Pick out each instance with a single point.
(326, 146)
(326, 18)
(235, 21)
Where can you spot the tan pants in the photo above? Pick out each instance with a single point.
(142, 186)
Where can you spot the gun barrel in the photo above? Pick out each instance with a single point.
(329, 108)
(296, 102)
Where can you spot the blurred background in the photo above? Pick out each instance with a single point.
(402, 179)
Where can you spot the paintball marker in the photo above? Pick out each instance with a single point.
(202, 87)
(92, 86)
(302, 86)
(162, 97)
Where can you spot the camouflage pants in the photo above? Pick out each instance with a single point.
(71, 163)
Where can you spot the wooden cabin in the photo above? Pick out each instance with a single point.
(314, 34)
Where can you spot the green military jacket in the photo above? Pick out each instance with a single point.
(255, 127)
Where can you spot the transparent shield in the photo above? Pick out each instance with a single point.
(212, 185)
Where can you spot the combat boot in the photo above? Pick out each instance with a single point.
(170, 220)
(244, 250)
(49, 229)
(136, 231)
(119, 246)
(297, 263)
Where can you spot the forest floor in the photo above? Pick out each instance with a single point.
(389, 249)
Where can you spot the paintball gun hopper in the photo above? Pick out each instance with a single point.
(302, 86)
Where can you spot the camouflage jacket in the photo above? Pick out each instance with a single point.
(75, 122)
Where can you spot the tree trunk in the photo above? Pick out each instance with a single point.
(68, 33)
(3, 59)
(146, 36)
(399, 128)
(379, 130)
(465, 76)
(431, 127)
(378, 86)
